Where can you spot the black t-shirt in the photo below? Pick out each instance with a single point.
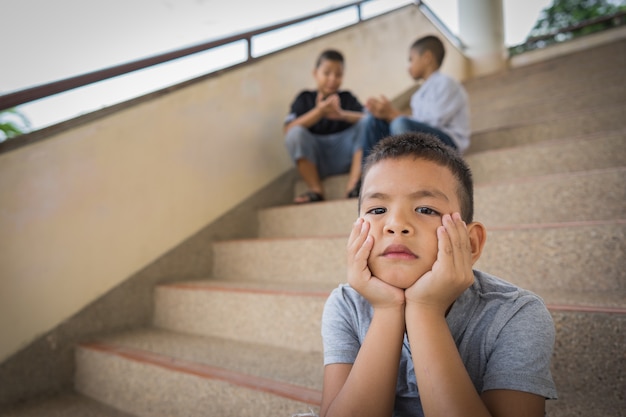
(305, 101)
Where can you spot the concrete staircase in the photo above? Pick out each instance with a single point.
(549, 159)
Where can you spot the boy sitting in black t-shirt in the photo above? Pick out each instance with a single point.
(322, 130)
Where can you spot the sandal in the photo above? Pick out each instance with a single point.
(355, 191)
(309, 197)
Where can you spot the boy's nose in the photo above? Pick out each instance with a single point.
(398, 227)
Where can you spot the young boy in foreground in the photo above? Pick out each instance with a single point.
(416, 331)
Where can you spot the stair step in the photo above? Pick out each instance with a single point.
(151, 372)
(155, 373)
(63, 405)
(564, 197)
(253, 313)
(586, 153)
(307, 220)
(286, 315)
(538, 256)
(578, 196)
(315, 259)
(566, 126)
(572, 143)
(547, 109)
(498, 97)
(559, 256)
(334, 187)
(544, 113)
(588, 364)
(496, 91)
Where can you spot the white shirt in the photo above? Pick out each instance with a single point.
(442, 102)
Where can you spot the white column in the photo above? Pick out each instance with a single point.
(481, 28)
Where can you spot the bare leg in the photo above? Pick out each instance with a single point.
(355, 171)
(308, 171)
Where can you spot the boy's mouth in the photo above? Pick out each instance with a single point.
(398, 252)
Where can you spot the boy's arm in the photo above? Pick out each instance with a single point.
(367, 387)
(349, 116)
(443, 382)
(382, 108)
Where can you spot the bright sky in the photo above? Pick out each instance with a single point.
(47, 40)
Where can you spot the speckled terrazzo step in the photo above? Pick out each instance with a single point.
(577, 153)
(288, 315)
(154, 373)
(277, 314)
(574, 72)
(588, 364)
(565, 126)
(519, 153)
(564, 197)
(69, 404)
(543, 91)
(539, 256)
(577, 196)
(547, 109)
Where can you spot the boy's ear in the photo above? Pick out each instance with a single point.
(428, 56)
(478, 236)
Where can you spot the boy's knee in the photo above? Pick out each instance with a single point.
(368, 121)
(295, 135)
(400, 124)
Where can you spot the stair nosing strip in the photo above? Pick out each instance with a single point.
(585, 309)
(282, 389)
(223, 288)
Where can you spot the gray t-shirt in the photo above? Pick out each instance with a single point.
(505, 336)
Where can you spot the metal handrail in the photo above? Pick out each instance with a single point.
(45, 90)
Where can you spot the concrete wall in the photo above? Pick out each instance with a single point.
(84, 210)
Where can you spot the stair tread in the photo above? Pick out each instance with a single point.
(68, 404)
(544, 255)
(201, 354)
(584, 153)
(555, 299)
(271, 287)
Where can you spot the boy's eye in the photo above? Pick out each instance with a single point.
(426, 210)
(377, 210)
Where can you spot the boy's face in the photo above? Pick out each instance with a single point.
(328, 76)
(417, 64)
(404, 200)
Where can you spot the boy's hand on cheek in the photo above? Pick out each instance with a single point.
(451, 273)
(377, 292)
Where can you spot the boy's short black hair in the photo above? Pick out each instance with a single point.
(432, 44)
(329, 55)
(426, 146)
